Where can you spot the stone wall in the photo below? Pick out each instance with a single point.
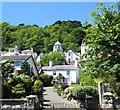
(31, 102)
(14, 104)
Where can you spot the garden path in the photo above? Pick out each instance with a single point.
(51, 99)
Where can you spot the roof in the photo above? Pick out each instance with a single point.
(19, 57)
(12, 48)
(59, 67)
(57, 43)
(26, 50)
(108, 93)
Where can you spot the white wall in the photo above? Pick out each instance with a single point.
(72, 77)
(12, 53)
(31, 63)
(84, 48)
(72, 56)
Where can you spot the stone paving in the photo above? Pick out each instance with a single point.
(51, 99)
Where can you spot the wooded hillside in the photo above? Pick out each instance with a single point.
(69, 33)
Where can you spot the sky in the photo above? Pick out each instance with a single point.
(47, 13)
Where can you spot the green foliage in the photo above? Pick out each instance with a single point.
(56, 86)
(42, 40)
(58, 58)
(26, 69)
(7, 68)
(60, 78)
(83, 91)
(58, 89)
(22, 79)
(46, 79)
(104, 43)
(87, 80)
(18, 90)
(116, 88)
(38, 88)
(74, 85)
(6, 91)
(15, 80)
(27, 81)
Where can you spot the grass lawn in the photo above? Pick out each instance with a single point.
(74, 85)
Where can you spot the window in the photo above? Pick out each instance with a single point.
(69, 54)
(18, 63)
(55, 46)
(58, 47)
(68, 73)
(69, 60)
(54, 72)
(11, 50)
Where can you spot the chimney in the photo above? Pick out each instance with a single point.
(50, 63)
(16, 46)
(82, 41)
(32, 49)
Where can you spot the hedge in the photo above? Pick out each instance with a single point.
(83, 91)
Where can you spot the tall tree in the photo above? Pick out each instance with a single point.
(58, 58)
(7, 68)
(26, 69)
(103, 38)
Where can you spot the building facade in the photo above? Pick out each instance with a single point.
(70, 72)
(18, 61)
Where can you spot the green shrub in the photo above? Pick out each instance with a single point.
(15, 80)
(56, 86)
(46, 79)
(19, 90)
(116, 89)
(38, 88)
(59, 89)
(6, 91)
(27, 84)
(83, 91)
(22, 79)
(64, 96)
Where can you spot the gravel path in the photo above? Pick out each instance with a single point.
(51, 99)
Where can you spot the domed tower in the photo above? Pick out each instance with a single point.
(57, 47)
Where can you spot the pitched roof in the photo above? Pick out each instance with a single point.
(19, 57)
(57, 43)
(26, 50)
(59, 67)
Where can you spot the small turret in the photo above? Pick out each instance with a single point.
(57, 47)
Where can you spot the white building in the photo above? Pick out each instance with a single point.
(15, 52)
(72, 56)
(57, 47)
(70, 72)
(84, 48)
(18, 60)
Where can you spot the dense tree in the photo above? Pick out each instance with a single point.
(103, 39)
(60, 78)
(46, 79)
(7, 68)
(58, 58)
(18, 90)
(38, 88)
(26, 69)
(42, 40)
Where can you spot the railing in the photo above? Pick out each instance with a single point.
(62, 106)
